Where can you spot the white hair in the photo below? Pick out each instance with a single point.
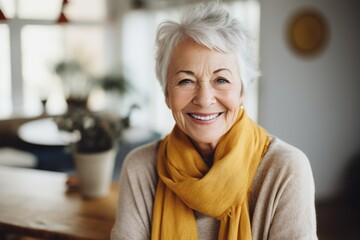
(211, 26)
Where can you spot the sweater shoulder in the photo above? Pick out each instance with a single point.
(142, 158)
(282, 165)
(283, 193)
(282, 156)
(139, 168)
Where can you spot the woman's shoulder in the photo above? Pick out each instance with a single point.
(141, 159)
(283, 156)
(137, 183)
(283, 166)
(283, 194)
(283, 163)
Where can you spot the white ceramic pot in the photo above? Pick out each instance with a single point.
(95, 172)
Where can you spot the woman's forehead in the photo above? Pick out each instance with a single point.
(189, 54)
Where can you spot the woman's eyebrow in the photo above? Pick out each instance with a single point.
(221, 69)
(192, 73)
(185, 71)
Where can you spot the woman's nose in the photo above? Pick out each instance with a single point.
(204, 96)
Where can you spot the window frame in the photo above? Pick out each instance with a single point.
(17, 83)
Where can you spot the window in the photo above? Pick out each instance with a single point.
(45, 46)
(5, 82)
(31, 44)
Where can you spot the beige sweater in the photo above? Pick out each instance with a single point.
(281, 204)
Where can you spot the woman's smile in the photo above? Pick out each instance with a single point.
(203, 118)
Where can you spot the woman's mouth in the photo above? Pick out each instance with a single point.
(204, 117)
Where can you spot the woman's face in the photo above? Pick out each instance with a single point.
(203, 92)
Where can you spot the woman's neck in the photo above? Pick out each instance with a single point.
(206, 152)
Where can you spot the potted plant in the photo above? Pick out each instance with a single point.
(95, 150)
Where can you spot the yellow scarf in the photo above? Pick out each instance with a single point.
(186, 183)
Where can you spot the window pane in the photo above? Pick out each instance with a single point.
(8, 8)
(5, 77)
(95, 10)
(87, 45)
(39, 9)
(74, 10)
(45, 46)
(41, 48)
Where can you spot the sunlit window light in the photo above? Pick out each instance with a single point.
(39, 9)
(5, 77)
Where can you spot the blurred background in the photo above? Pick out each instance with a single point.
(308, 52)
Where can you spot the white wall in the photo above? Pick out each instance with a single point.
(313, 103)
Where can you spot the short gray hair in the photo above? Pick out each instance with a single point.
(211, 26)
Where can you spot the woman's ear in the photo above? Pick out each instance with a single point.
(167, 100)
(242, 90)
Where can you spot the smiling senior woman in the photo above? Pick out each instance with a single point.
(217, 175)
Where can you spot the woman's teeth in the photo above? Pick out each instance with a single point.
(204, 118)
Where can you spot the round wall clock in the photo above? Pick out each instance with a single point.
(308, 32)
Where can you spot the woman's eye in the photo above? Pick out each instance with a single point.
(222, 81)
(185, 81)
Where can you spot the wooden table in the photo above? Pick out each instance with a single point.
(37, 204)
